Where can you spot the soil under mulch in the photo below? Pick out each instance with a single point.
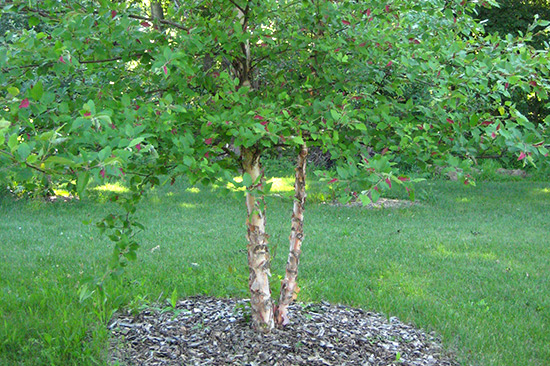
(212, 331)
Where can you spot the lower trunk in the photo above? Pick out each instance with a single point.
(289, 289)
(258, 254)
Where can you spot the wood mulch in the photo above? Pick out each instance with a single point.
(215, 331)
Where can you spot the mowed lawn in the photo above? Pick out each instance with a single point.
(471, 264)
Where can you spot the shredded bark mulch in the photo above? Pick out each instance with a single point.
(213, 331)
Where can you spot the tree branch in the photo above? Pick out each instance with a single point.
(162, 21)
(237, 5)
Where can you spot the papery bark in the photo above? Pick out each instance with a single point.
(258, 253)
(289, 288)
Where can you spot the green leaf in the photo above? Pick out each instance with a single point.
(33, 21)
(374, 195)
(81, 182)
(365, 199)
(135, 141)
(59, 160)
(174, 298)
(13, 91)
(247, 180)
(12, 142)
(33, 158)
(361, 127)
(23, 150)
(37, 91)
(335, 115)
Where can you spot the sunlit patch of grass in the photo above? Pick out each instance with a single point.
(193, 190)
(285, 184)
(187, 205)
(542, 191)
(112, 187)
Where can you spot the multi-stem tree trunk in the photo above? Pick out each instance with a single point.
(289, 288)
(258, 254)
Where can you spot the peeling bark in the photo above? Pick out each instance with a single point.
(156, 10)
(258, 253)
(289, 288)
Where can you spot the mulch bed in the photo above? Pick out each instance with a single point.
(214, 331)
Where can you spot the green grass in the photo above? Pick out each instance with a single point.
(472, 264)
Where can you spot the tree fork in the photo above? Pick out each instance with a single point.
(289, 288)
(257, 248)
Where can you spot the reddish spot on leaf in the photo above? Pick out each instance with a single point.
(506, 86)
(362, 44)
(157, 113)
(165, 69)
(263, 123)
(333, 180)
(403, 179)
(376, 188)
(216, 74)
(87, 114)
(207, 154)
(450, 121)
(258, 117)
(498, 127)
(61, 59)
(113, 126)
(138, 147)
(385, 150)
(174, 131)
(136, 107)
(336, 50)
(487, 123)
(208, 141)
(113, 13)
(209, 123)
(533, 83)
(145, 24)
(521, 156)
(389, 64)
(387, 8)
(122, 171)
(368, 12)
(466, 181)
(388, 181)
(493, 135)
(346, 22)
(414, 40)
(102, 173)
(24, 103)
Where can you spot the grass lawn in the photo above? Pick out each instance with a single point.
(472, 264)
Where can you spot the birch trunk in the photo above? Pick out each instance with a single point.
(289, 288)
(258, 254)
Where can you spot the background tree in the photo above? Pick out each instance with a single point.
(97, 91)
